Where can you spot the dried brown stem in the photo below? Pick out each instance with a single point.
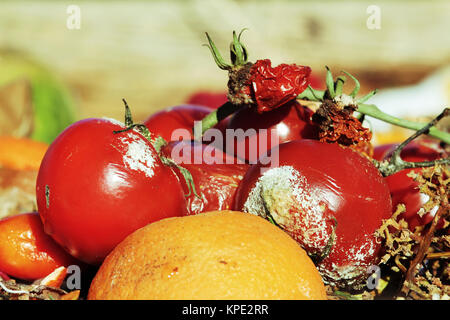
(423, 247)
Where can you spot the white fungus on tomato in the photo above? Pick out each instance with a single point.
(283, 193)
(295, 205)
(138, 155)
(334, 272)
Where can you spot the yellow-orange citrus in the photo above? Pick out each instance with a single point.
(21, 153)
(214, 255)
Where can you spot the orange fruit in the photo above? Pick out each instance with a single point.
(21, 153)
(26, 251)
(214, 255)
(20, 159)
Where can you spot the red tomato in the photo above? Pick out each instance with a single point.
(404, 189)
(95, 187)
(290, 122)
(317, 187)
(216, 175)
(206, 98)
(381, 151)
(166, 121)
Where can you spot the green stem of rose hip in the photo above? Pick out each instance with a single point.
(370, 110)
(373, 111)
(218, 115)
(395, 162)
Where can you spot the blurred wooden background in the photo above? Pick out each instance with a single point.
(151, 53)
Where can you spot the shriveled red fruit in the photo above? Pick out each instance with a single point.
(95, 187)
(273, 87)
(165, 122)
(216, 175)
(330, 199)
(405, 190)
(259, 84)
(290, 122)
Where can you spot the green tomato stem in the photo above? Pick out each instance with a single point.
(373, 111)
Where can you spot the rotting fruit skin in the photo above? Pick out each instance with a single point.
(95, 187)
(318, 188)
(216, 175)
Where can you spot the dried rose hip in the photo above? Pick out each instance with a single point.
(274, 86)
(259, 84)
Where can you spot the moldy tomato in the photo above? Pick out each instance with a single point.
(95, 187)
(330, 199)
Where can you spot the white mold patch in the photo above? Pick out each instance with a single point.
(351, 269)
(285, 195)
(138, 155)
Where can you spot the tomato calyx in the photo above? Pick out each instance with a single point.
(158, 143)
